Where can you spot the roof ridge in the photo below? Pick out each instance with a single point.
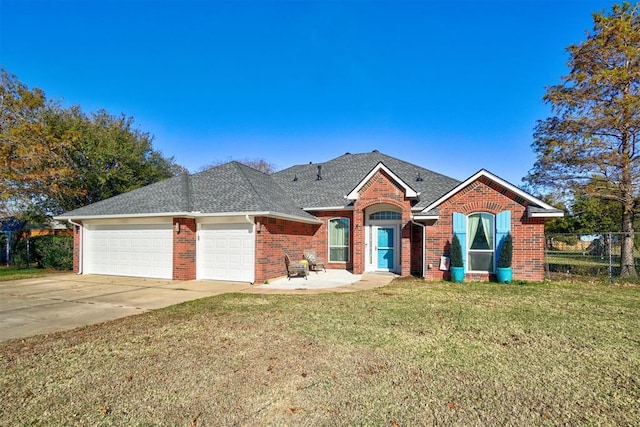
(240, 167)
(187, 188)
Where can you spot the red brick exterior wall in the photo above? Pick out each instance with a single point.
(381, 188)
(274, 238)
(417, 250)
(321, 238)
(483, 195)
(76, 249)
(184, 249)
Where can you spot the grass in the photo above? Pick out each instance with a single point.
(411, 353)
(14, 273)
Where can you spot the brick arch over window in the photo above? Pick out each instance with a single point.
(481, 206)
(371, 203)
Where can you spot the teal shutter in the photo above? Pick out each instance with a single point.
(460, 229)
(503, 227)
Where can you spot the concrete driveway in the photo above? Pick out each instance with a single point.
(61, 302)
(66, 301)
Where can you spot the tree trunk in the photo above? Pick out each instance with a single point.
(627, 264)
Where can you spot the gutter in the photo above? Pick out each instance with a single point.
(80, 253)
(195, 214)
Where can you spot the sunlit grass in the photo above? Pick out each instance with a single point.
(411, 353)
(14, 273)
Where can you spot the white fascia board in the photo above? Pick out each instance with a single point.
(409, 192)
(289, 217)
(425, 217)
(190, 215)
(118, 216)
(502, 182)
(329, 208)
(546, 215)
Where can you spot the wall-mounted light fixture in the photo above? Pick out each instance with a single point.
(176, 227)
(258, 226)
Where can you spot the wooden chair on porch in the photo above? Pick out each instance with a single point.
(295, 269)
(315, 263)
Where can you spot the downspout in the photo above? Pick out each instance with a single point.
(80, 253)
(250, 221)
(424, 243)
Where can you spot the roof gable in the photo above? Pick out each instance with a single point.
(539, 209)
(408, 191)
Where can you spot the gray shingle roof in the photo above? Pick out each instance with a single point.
(161, 197)
(344, 173)
(234, 188)
(228, 188)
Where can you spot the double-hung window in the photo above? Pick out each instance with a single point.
(339, 239)
(481, 246)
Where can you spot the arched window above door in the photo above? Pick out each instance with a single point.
(382, 215)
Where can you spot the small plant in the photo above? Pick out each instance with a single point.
(455, 252)
(506, 253)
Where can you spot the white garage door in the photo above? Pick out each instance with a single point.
(140, 250)
(226, 252)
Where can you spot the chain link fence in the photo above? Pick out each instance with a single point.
(592, 254)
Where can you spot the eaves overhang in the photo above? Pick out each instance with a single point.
(191, 215)
(428, 217)
(329, 208)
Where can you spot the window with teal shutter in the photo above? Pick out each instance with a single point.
(503, 227)
(481, 232)
(460, 229)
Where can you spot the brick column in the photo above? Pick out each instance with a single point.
(405, 243)
(76, 249)
(357, 241)
(184, 249)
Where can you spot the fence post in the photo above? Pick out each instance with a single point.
(7, 247)
(610, 260)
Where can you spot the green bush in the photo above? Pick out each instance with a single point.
(455, 252)
(46, 252)
(506, 252)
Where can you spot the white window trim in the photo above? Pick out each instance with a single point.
(493, 242)
(329, 246)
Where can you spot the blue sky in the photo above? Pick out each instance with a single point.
(453, 86)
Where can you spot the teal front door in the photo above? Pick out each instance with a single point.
(385, 248)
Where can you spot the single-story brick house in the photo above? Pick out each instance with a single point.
(360, 212)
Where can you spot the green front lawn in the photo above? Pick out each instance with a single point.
(12, 273)
(411, 353)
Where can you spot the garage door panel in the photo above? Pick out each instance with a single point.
(226, 252)
(129, 250)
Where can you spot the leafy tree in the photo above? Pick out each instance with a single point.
(260, 164)
(112, 157)
(34, 158)
(591, 143)
(54, 159)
